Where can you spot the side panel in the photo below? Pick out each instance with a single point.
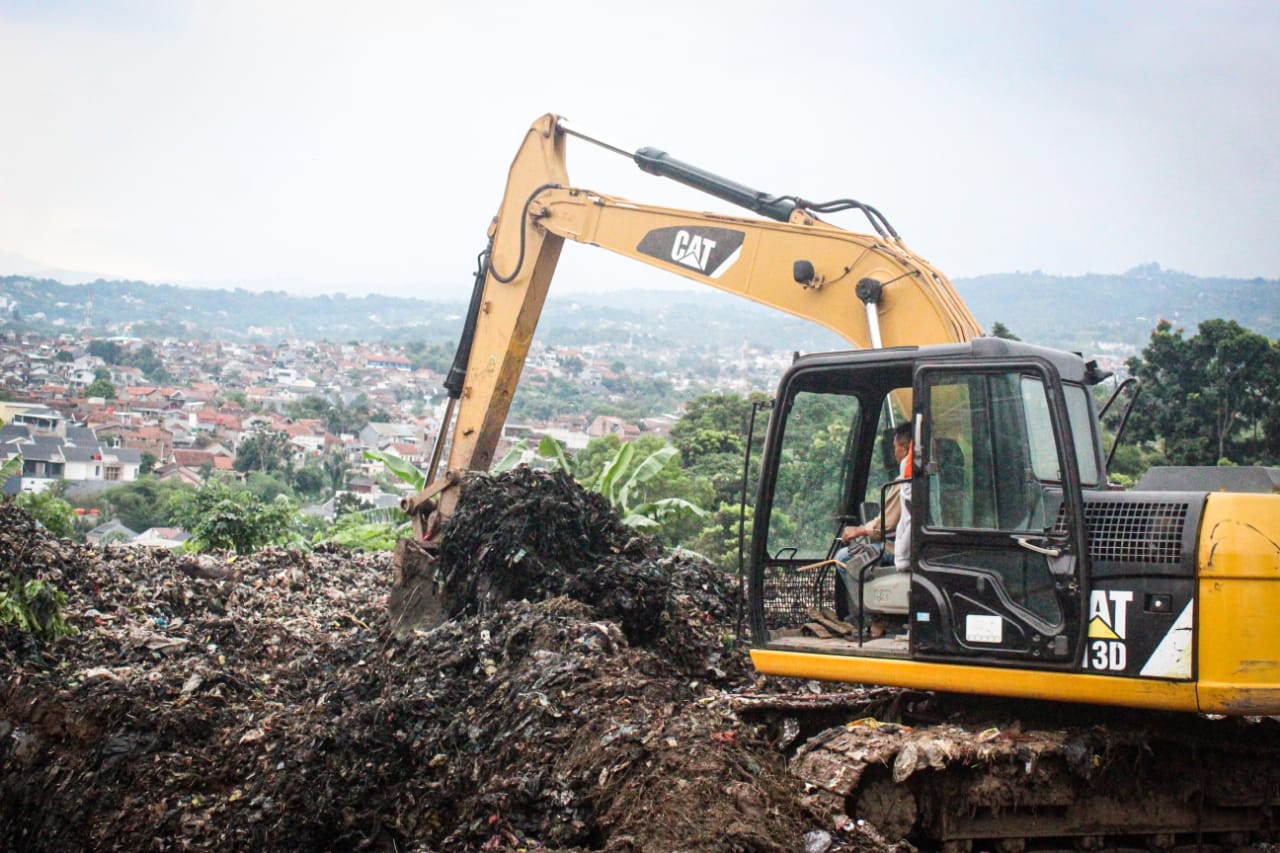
(1239, 631)
(1141, 609)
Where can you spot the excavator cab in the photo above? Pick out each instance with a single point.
(1004, 447)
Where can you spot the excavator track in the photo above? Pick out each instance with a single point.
(957, 774)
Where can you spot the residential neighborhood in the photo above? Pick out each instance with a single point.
(89, 422)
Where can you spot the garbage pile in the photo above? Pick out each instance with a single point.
(579, 699)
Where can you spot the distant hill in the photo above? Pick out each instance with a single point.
(1082, 312)
(20, 265)
(1091, 313)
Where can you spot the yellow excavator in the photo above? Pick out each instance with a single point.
(1029, 577)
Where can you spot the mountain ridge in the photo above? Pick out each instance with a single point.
(1091, 313)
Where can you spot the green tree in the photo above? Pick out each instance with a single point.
(35, 606)
(1000, 330)
(630, 480)
(572, 364)
(237, 396)
(711, 437)
(146, 502)
(1209, 397)
(310, 479)
(336, 469)
(108, 351)
(51, 511)
(669, 481)
(219, 517)
(349, 502)
(266, 451)
(370, 529)
(101, 388)
(267, 486)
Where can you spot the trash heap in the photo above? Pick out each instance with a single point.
(579, 700)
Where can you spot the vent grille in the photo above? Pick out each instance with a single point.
(1137, 532)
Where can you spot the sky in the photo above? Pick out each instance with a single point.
(322, 147)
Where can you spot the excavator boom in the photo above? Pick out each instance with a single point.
(868, 288)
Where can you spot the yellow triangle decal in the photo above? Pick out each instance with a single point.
(1100, 630)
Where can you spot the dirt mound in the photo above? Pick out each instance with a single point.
(534, 535)
(263, 703)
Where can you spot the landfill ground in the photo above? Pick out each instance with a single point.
(586, 694)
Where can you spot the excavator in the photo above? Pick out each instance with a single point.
(1031, 581)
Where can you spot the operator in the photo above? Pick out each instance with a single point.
(897, 512)
(894, 512)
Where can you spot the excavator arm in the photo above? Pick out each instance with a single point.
(869, 289)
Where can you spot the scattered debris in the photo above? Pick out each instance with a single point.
(578, 701)
(585, 696)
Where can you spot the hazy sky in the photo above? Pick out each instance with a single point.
(318, 147)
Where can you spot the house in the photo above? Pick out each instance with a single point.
(110, 532)
(161, 537)
(609, 425)
(120, 463)
(379, 435)
(124, 376)
(194, 459)
(155, 440)
(412, 453)
(362, 486)
(572, 439)
(37, 417)
(660, 425)
(326, 510)
(181, 473)
(388, 362)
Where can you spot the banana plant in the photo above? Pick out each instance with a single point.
(11, 467)
(405, 470)
(374, 529)
(617, 480)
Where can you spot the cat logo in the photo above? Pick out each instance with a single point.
(1108, 626)
(692, 250)
(710, 251)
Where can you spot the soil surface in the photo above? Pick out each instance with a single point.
(580, 699)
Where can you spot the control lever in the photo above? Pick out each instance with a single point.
(1025, 542)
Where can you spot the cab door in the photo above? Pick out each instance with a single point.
(998, 548)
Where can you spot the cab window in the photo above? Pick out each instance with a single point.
(812, 473)
(993, 459)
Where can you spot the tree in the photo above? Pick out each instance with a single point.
(108, 351)
(349, 502)
(35, 606)
(148, 463)
(221, 518)
(101, 388)
(711, 437)
(237, 396)
(1000, 330)
(266, 451)
(1209, 398)
(51, 511)
(310, 479)
(335, 469)
(144, 503)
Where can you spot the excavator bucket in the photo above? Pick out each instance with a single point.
(416, 603)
